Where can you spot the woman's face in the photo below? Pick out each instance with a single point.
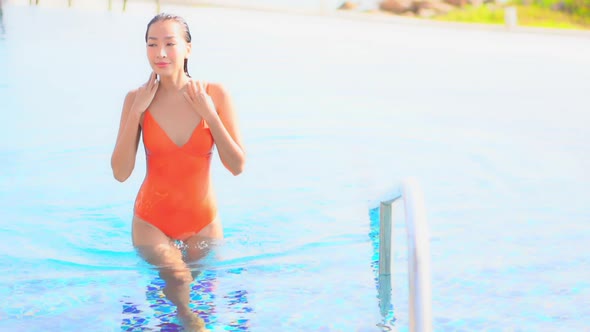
(167, 48)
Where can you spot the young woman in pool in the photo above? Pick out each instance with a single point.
(181, 119)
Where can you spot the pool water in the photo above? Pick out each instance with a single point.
(334, 112)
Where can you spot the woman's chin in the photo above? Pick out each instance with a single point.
(161, 72)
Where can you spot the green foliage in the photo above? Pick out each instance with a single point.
(574, 7)
(578, 9)
(472, 14)
(540, 14)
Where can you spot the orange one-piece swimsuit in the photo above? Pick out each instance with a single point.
(176, 195)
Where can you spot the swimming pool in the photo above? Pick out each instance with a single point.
(334, 112)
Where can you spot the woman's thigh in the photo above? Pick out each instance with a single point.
(158, 249)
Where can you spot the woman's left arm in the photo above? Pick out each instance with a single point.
(225, 130)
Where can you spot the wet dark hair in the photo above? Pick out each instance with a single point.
(177, 19)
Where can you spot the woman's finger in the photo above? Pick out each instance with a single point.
(194, 90)
(187, 97)
(152, 78)
(189, 91)
(199, 87)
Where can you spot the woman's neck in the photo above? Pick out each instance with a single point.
(173, 83)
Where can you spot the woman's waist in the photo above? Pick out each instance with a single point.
(173, 202)
(176, 175)
(187, 188)
(178, 161)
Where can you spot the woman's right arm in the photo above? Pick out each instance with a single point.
(125, 152)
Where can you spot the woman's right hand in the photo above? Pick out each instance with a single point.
(145, 94)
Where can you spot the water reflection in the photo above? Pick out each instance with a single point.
(2, 29)
(230, 310)
(383, 282)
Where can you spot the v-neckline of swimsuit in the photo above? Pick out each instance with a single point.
(157, 125)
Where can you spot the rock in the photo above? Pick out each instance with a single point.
(426, 12)
(441, 7)
(458, 3)
(348, 5)
(429, 8)
(397, 6)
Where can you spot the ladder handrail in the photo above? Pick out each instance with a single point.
(419, 272)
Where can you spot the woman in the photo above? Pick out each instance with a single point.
(181, 119)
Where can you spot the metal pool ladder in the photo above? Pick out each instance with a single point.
(419, 273)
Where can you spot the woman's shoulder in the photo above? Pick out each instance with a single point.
(131, 94)
(217, 91)
(129, 99)
(213, 87)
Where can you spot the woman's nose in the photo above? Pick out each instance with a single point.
(162, 53)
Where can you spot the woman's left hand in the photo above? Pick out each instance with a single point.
(198, 98)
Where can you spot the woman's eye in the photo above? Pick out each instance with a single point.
(171, 44)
